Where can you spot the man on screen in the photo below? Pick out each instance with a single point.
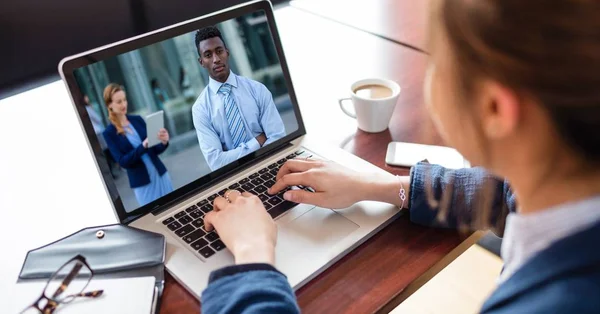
(233, 115)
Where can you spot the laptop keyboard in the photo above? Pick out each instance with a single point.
(188, 224)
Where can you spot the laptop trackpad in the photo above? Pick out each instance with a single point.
(311, 235)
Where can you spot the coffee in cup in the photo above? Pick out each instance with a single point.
(373, 91)
(374, 101)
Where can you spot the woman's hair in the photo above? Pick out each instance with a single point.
(548, 51)
(109, 91)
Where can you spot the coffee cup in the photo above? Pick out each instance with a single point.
(374, 101)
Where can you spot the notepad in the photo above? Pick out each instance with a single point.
(122, 295)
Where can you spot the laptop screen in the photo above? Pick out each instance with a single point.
(177, 110)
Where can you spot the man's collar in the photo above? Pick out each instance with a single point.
(214, 85)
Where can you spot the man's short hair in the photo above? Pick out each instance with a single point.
(207, 33)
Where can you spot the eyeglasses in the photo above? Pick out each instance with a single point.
(65, 285)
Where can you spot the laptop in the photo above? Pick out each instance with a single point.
(171, 189)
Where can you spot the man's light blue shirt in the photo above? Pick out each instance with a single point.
(259, 115)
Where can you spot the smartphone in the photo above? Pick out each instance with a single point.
(409, 154)
(154, 122)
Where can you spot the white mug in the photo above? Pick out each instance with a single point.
(372, 115)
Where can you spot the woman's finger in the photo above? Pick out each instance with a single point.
(208, 220)
(232, 195)
(220, 203)
(247, 194)
(290, 179)
(295, 165)
(305, 197)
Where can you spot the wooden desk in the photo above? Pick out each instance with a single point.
(401, 21)
(325, 57)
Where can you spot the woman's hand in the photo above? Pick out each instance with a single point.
(163, 136)
(336, 186)
(145, 143)
(244, 226)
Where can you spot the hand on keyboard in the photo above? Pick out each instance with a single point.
(334, 186)
(245, 227)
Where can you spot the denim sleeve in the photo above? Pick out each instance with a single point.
(468, 199)
(250, 288)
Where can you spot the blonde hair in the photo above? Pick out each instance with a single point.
(109, 91)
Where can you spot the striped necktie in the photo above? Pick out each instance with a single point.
(234, 117)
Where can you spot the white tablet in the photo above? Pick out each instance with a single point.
(154, 122)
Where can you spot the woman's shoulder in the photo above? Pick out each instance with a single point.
(110, 129)
(136, 121)
(135, 118)
(557, 296)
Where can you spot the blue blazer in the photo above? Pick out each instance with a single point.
(130, 157)
(564, 278)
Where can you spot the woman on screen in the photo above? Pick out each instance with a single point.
(515, 87)
(127, 142)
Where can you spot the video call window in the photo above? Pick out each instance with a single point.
(223, 95)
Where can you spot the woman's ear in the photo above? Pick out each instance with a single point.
(500, 110)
